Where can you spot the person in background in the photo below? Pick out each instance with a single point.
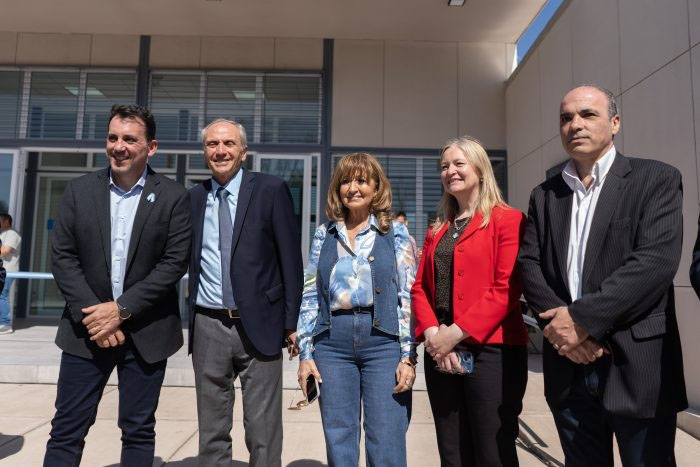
(2, 274)
(10, 242)
(354, 330)
(466, 307)
(401, 217)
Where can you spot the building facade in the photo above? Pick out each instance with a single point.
(310, 84)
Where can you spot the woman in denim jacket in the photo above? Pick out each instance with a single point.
(354, 331)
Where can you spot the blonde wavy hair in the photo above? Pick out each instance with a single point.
(489, 194)
(360, 164)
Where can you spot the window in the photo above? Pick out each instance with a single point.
(273, 108)
(175, 104)
(53, 104)
(292, 109)
(102, 91)
(10, 86)
(232, 97)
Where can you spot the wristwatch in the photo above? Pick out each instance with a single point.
(123, 312)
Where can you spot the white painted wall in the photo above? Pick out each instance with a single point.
(418, 93)
(646, 52)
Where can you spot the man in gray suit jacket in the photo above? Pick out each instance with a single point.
(598, 258)
(120, 246)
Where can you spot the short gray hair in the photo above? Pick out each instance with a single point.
(612, 102)
(241, 129)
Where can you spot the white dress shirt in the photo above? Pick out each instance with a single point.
(122, 207)
(582, 209)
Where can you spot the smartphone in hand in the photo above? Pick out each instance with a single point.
(312, 390)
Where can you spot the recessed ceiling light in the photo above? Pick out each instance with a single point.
(90, 91)
(455, 2)
(244, 95)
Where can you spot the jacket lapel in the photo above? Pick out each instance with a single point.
(244, 195)
(149, 198)
(103, 214)
(199, 203)
(559, 212)
(614, 183)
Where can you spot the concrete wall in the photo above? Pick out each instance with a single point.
(418, 94)
(647, 53)
(385, 93)
(49, 49)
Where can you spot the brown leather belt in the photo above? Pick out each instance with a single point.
(218, 313)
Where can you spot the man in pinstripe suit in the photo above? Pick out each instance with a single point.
(599, 254)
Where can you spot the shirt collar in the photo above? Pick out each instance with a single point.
(599, 172)
(232, 186)
(338, 225)
(141, 182)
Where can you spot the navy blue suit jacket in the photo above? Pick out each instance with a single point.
(266, 265)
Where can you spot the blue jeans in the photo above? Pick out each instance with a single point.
(358, 363)
(5, 312)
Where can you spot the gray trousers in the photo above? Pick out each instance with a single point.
(220, 354)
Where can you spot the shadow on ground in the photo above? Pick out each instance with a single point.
(10, 444)
(193, 462)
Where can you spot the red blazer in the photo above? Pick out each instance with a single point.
(486, 291)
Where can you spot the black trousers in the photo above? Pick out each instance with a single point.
(476, 415)
(586, 429)
(81, 383)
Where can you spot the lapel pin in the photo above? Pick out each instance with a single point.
(151, 197)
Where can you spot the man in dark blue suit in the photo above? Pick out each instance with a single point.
(245, 291)
(119, 248)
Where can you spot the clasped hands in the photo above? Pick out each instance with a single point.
(102, 322)
(440, 343)
(570, 339)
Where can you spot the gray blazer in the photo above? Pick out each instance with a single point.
(157, 259)
(632, 256)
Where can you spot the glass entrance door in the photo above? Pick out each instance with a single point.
(44, 297)
(10, 181)
(296, 170)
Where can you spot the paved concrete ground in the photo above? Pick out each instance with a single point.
(29, 366)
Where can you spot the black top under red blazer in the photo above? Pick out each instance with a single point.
(486, 291)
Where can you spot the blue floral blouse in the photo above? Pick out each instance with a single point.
(351, 282)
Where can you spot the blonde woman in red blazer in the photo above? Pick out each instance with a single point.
(466, 299)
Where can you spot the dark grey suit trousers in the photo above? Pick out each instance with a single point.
(221, 352)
